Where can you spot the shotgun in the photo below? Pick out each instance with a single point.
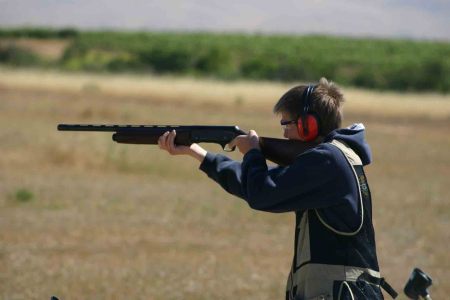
(279, 151)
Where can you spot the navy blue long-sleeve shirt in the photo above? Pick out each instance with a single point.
(319, 178)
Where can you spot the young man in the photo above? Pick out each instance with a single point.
(335, 254)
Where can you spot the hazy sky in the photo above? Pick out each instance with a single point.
(421, 19)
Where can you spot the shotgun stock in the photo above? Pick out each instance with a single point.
(279, 151)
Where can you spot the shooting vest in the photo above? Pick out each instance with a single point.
(333, 264)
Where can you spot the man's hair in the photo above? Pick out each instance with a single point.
(325, 101)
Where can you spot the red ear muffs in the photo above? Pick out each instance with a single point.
(310, 131)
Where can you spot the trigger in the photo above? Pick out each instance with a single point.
(227, 148)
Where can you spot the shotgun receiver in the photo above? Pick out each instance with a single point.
(280, 151)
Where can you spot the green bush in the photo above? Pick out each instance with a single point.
(23, 195)
(16, 56)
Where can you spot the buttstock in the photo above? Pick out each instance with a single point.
(282, 151)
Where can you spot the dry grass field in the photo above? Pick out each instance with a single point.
(84, 218)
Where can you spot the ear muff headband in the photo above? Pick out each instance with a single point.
(308, 125)
(306, 96)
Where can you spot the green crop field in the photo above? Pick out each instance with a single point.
(402, 65)
(84, 218)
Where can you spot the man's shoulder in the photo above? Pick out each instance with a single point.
(323, 152)
(326, 149)
(331, 153)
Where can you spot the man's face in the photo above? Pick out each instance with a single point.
(290, 130)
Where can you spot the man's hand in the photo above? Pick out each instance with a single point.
(246, 143)
(167, 142)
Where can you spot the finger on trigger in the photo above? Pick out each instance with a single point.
(232, 143)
